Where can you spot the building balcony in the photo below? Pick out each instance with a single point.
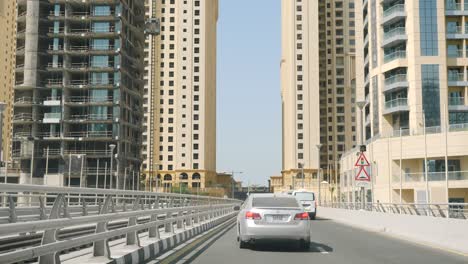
(394, 37)
(393, 14)
(48, 135)
(54, 83)
(52, 101)
(24, 101)
(456, 9)
(366, 20)
(23, 118)
(396, 105)
(399, 54)
(89, 100)
(457, 104)
(366, 80)
(366, 60)
(458, 127)
(22, 134)
(456, 79)
(20, 51)
(366, 40)
(91, 118)
(455, 53)
(456, 33)
(420, 177)
(52, 118)
(90, 134)
(54, 67)
(398, 81)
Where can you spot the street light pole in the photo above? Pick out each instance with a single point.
(111, 146)
(319, 146)
(303, 175)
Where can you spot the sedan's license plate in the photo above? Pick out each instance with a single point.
(276, 218)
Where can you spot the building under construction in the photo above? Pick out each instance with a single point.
(78, 93)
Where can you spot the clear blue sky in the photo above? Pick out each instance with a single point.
(249, 99)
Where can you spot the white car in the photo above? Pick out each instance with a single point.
(272, 217)
(307, 200)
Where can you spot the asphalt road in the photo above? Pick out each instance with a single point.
(331, 243)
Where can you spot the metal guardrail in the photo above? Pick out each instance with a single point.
(451, 210)
(46, 210)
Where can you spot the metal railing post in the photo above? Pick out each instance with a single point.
(12, 210)
(50, 235)
(153, 232)
(84, 207)
(180, 221)
(101, 247)
(132, 237)
(42, 208)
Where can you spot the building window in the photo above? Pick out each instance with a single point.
(431, 94)
(428, 27)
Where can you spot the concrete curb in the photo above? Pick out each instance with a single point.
(441, 233)
(166, 244)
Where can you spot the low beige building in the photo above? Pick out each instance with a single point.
(412, 76)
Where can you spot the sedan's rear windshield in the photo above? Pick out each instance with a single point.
(305, 196)
(274, 202)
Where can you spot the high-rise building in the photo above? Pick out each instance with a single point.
(412, 62)
(78, 94)
(7, 64)
(318, 88)
(180, 95)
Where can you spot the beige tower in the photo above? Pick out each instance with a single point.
(180, 107)
(413, 69)
(7, 65)
(317, 86)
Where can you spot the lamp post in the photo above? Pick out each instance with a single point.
(319, 146)
(2, 108)
(112, 147)
(232, 180)
(302, 174)
(156, 167)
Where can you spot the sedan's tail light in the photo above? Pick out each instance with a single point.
(252, 215)
(302, 216)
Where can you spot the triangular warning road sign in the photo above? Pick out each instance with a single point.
(362, 161)
(362, 175)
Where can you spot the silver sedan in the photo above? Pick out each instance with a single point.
(272, 217)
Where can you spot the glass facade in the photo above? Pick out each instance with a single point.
(431, 94)
(428, 27)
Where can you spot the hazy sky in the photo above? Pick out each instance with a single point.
(249, 99)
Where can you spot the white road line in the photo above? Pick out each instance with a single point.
(323, 251)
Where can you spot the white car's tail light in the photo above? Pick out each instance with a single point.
(302, 216)
(252, 215)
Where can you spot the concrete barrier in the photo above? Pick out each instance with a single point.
(449, 234)
(149, 249)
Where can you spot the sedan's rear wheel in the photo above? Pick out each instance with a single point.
(243, 244)
(304, 244)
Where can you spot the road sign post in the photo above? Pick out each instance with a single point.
(362, 178)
